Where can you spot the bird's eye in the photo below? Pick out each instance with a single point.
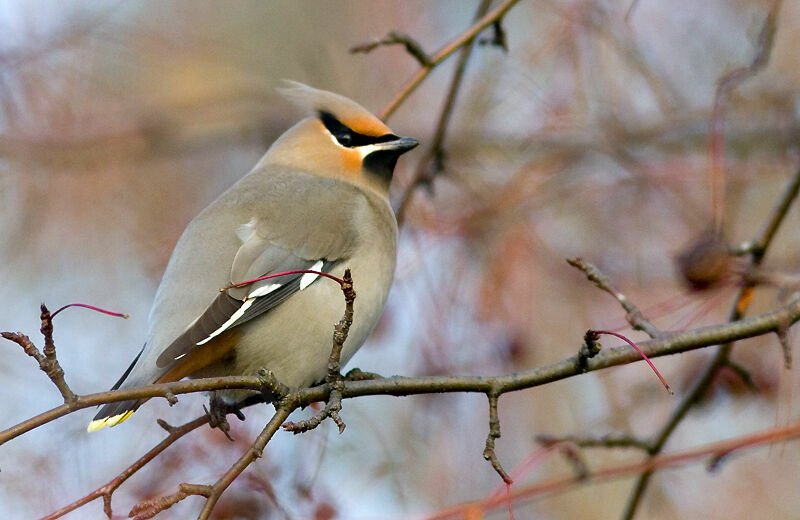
(348, 137)
(344, 138)
(344, 135)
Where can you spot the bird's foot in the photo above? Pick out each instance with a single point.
(217, 412)
(357, 374)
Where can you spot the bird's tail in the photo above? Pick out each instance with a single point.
(112, 414)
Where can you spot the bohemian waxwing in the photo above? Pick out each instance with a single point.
(317, 200)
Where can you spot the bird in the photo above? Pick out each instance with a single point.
(317, 200)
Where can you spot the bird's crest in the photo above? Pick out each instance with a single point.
(345, 110)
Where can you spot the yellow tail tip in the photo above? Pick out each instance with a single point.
(108, 421)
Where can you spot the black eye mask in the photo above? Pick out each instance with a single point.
(348, 137)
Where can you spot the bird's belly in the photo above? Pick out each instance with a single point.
(299, 355)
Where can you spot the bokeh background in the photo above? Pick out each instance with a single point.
(119, 121)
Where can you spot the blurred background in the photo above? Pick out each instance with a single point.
(119, 121)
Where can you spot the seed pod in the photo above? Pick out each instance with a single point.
(704, 262)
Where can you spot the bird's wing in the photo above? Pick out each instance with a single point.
(272, 242)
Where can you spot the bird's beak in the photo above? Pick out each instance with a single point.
(400, 145)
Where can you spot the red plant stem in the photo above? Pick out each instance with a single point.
(523, 469)
(297, 271)
(632, 344)
(91, 307)
(524, 494)
(508, 497)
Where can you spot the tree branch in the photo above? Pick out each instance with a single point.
(634, 316)
(463, 39)
(721, 358)
(47, 360)
(715, 451)
(666, 345)
(494, 434)
(291, 399)
(395, 37)
(106, 490)
(610, 440)
(717, 122)
(433, 161)
(213, 492)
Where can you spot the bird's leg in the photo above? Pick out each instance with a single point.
(218, 410)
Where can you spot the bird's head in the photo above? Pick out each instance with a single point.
(339, 139)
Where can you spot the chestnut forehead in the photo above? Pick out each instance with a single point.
(366, 125)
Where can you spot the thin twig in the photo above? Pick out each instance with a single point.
(105, 491)
(47, 360)
(151, 507)
(494, 434)
(393, 38)
(334, 378)
(142, 392)
(292, 399)
(633, 345)
(786, 347)
(633, 315)
(433, 161)
(463, 39)
(572, 453)
(284, 273)
(609, 440)
(717, 122)
(498, 38)
(212, 493)
(666, 345)
(255, 451)
(775, 219)
(759, 248)
(610, 473)
(93, 308)
(743, 374)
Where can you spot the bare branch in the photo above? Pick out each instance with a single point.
(717, 123)
(609, 440)
(463, 39)
(432, 162)
(721, 358)
(760, 244)
(666, 345)
(106, 490)
(714, 450)
(783, 339)
(255, 451)
(572, 453)
(498, 39)
(395, 37)
(157, 390)
(742, 373)
(291, 399)
(634, 316)
(151, 507)
(47, 360)
(494, 433)
(334, 378)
